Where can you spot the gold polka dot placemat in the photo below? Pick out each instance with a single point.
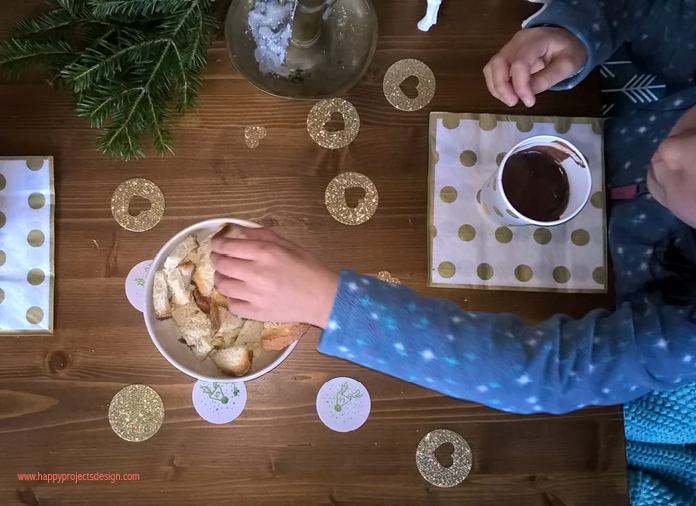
(26, 245)
(468, 250)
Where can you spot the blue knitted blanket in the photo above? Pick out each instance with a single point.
(661, 448)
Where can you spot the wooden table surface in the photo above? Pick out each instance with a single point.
(55, 391)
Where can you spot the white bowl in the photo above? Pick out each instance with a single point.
(165, 334)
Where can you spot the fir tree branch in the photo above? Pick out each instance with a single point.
(17, 54)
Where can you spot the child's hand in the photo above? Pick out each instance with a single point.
(533, 61)
(267, 278)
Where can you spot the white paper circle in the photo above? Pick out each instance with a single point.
(219, 402)
(135, 284)
(343, 404)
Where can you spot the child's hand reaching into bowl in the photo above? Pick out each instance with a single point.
(268, 278)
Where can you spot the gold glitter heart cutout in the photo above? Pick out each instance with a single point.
(120, 203)
(387, 277)
(320, 115)
(253, 135)
(335, 198)
(398, 73)
(431, 469)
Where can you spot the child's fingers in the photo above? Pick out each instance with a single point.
(232, 288)
(521, 74)
(497, 74)
(231, 267)
(264, 234)
(557, 70)
(244, 249)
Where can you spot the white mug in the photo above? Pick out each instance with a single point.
(496, 205)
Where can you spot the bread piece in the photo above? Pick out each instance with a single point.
(194, 326)
(180, 252)
(204, 277)
(186, 269)
(235, 360)
(178, 290)
(226, 327)
(160, 296)
(250, 337)
(277, 336)
(203, 303)
(219, 299)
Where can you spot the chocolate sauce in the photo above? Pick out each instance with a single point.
(536, 185)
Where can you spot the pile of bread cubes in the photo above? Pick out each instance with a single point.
(184, 290)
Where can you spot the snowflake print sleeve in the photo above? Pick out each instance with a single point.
(495, 359)
(659, 34)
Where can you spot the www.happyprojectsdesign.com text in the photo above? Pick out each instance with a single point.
(77, 477)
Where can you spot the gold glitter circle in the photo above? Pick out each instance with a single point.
(499, 158)
(468, 158)
(562, 125)
(35, 315)
(136, 413)
(34, 163)
(335, 198)
(145, 220)
(36, 200)
(466, 233)
(450, 122)
(524, 273)
(321, 114)
(524, 124)
(485, 271)
(448, 194)
(580, 237)
(3, 257)
(597, 200)
(542, 235)
(599, 275)
(3, 182)
(398, 73)
(36, 238)
(253, 135)
(387, 277)
(35, 277)
(446, 269)
(503, 235)
(512, 214)
(561, 274)
(431, 469)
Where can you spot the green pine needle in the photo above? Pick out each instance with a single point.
(128, 63)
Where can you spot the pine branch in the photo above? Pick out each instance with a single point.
(128, 63)
(17, 54)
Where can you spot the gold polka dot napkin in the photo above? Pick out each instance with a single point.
(469, 250)
(26, 245)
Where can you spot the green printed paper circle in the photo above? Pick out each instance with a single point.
(542, 235)
(446, 269)
(448, 194)
(561, 274)
(580, 237)
(524, 273)
(466, 233)
(599, 275)
(503, 235)
(468, 158)
(485, 271)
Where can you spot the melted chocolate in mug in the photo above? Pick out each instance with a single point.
(536, 184)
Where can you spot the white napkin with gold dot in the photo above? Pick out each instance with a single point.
(26, 245)
(469, 250)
